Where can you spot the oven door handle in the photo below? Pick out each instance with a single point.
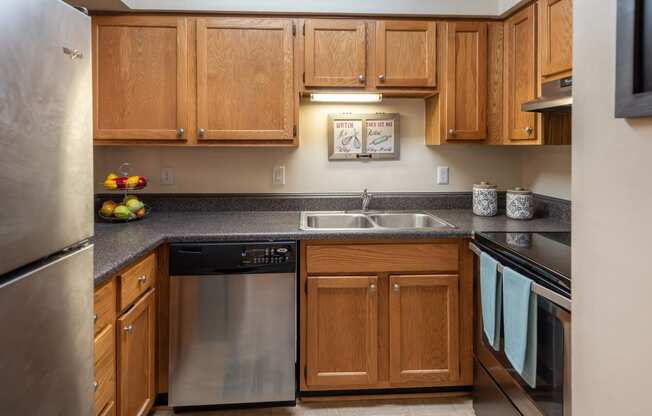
(542, 291)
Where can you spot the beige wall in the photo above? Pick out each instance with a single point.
(612, 224)
(308, 169)
(547, 170)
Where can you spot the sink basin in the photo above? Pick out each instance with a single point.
(341, 220)
(408, 220)
(335, 221)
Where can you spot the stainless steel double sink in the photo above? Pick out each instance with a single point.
(367, 220)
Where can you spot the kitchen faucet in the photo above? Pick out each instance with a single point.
(366, 199)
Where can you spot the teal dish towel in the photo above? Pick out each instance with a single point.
(520, 320)
(491, 299)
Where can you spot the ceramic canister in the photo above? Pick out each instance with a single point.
(485, 199)
(520, 204)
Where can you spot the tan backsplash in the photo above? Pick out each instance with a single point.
(232, 170)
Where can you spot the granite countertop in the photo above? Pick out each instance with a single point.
(118, 245)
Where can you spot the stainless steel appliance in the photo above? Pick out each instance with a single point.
(498, 389)
(46, 219)
(232, 323)
(556, 96)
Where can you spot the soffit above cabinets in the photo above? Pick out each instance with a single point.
(479, 8)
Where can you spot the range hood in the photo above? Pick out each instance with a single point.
(557, 96)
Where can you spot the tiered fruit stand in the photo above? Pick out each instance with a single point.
(112, 211)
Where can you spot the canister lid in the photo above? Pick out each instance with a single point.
(520, 191)
(485, 185)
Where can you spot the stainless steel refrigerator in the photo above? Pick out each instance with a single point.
(46, 214)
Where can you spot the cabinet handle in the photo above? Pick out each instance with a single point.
(451, 132)
(94, 317)
(73, 53)
(181, 133)
(528, 130)
(96, 385)
(361, 78)
(396, 287)
(201, 133)
(381, 77)
(128, 328)
(372, 287)
(142, 279)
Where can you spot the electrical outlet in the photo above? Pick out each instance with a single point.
(278, 175)
(442, 175)
(167, 176)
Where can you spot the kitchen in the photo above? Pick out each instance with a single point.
(324, 208)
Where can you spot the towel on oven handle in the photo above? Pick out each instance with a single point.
(490, 298)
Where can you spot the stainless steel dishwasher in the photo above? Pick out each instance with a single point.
(232, 323)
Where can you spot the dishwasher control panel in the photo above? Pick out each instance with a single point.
(221, 258)
(265, 255)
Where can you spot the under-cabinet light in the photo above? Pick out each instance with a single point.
(336, 97)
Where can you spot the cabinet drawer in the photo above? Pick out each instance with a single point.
(369, 258)
(105, 303)
(135, 281)
(104, 368)
(109, 410)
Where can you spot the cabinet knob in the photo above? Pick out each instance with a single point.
(372, 287)
(94, 317)
(361, 78)
(201, 133)
(73, 53)
(180, 133)
(528, 130)
(142, 279)
(381, 77)
(95, 385)
(128, 328)
(451, 132)
(396, 287)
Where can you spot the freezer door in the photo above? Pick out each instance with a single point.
(46, 190)
(46, 352)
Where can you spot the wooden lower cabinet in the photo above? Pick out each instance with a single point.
(424, 329)
(136, 351)
(389, 324)
(343, 336)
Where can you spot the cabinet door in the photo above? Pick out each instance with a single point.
(556, 22)
(520, 74)
(335, 53)
(466, 81)
(406, 54)
(342, 331)
(136, 344)
(140, 77)
(424, 329)
(245, 79)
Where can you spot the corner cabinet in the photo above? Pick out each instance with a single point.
(245, 79)
(140, 78)
(520, 75)
(385, 315)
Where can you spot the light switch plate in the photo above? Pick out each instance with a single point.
(167, 176)
(442, 175)
(278, 175)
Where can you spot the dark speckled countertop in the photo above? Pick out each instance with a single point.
(118, 245)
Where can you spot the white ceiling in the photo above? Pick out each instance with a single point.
(376, 7)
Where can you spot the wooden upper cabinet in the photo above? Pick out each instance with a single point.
(245, 86)
(406, 54)
(140, 77)
(520, 80)
(424, 329)
(342, 331)
(136, 348)
(556, 37)
(465, 116)
(335, 53)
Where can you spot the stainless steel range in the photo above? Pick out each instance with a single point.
(499, 390)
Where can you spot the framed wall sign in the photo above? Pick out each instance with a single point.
(363, 136)
(634, 59)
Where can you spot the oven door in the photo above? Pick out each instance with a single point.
(552, 395)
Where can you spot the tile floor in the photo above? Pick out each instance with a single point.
(430, 407)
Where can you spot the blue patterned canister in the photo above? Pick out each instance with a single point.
(485, 199)
(520, 204)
